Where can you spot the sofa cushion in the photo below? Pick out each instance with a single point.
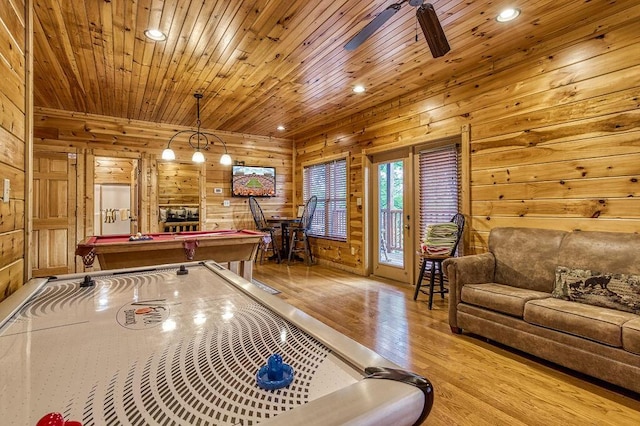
(591, 322)
(601, 251)
(631, 336)
(499, 297)
(614, 291)
(526, 258)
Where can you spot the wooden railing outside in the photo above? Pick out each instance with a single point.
(391, 235)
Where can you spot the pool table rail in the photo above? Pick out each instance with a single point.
(235, 247)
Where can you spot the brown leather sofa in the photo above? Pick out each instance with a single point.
(506, 295)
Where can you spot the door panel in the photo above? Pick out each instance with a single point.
(53, 214)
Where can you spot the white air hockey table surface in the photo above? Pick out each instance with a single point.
(149, 346)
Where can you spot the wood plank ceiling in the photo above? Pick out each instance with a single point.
(262, 63)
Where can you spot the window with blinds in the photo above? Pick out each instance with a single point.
(328, 182)
(439, 185)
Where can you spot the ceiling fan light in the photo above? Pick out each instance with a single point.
(225, 160)
(508, 15)
(197, 157)
(168, 154)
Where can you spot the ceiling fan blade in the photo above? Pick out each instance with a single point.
(432, 30)
(372, 26)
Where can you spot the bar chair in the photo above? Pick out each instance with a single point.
(436, 264)
(268, 242)
(299, 235)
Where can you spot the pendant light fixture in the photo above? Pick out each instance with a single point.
(198, 140)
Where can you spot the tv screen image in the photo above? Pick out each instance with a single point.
(253, 181)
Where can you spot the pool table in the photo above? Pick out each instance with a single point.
(187, 344)
(237, 247)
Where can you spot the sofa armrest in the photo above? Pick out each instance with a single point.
(474, 269)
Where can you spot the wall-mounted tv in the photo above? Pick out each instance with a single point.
(254, 181)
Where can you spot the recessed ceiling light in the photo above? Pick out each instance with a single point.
(155, 35)
(358, 89)
(508, 15)
(280, 127)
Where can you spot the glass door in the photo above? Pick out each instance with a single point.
(392, 255)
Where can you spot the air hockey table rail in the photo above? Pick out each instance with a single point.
(181, 344)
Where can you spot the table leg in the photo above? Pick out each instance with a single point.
(246, 270)
(284, 253)
(234, 267)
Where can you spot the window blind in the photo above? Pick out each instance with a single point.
(328, 182)
(439, 185)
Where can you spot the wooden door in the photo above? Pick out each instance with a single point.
(54, 196)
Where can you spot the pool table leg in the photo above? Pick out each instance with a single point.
(244, 268)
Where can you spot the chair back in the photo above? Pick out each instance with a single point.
(258, 215)
(307, 215)
(458, 219)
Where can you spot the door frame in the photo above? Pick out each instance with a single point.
(86, 193)
(406, 274)
(464, 135)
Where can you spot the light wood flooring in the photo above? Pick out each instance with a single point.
(476, 382)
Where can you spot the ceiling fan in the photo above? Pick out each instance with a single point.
(425, 14)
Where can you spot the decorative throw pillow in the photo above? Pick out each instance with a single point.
(163, 214)
(608, 290)
(176, 215)
(192, 213)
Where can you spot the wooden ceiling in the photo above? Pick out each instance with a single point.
(262, 63)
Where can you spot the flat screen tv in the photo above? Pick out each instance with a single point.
(254, 181)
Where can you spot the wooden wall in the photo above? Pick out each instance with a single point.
(14, 131)
(99, 136)
(109, 170)
(178, 183)
(554, 136)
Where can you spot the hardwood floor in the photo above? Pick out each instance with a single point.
(475, 382)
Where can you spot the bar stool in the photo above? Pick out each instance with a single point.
(269, 241)
(436, 265)
(299, 235)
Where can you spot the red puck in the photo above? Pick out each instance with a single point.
(51, 419)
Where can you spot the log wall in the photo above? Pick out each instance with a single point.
(554, 136)
(14, 131)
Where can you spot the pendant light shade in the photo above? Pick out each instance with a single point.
(168, 154)
(225, 160)
(197, 157)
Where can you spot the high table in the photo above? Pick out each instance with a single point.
(237, 247)
(284, 223)
(183, 344)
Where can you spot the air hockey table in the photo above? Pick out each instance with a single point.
(183, 344)
(236, 247)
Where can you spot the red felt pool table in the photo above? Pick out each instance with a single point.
(237, 247)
